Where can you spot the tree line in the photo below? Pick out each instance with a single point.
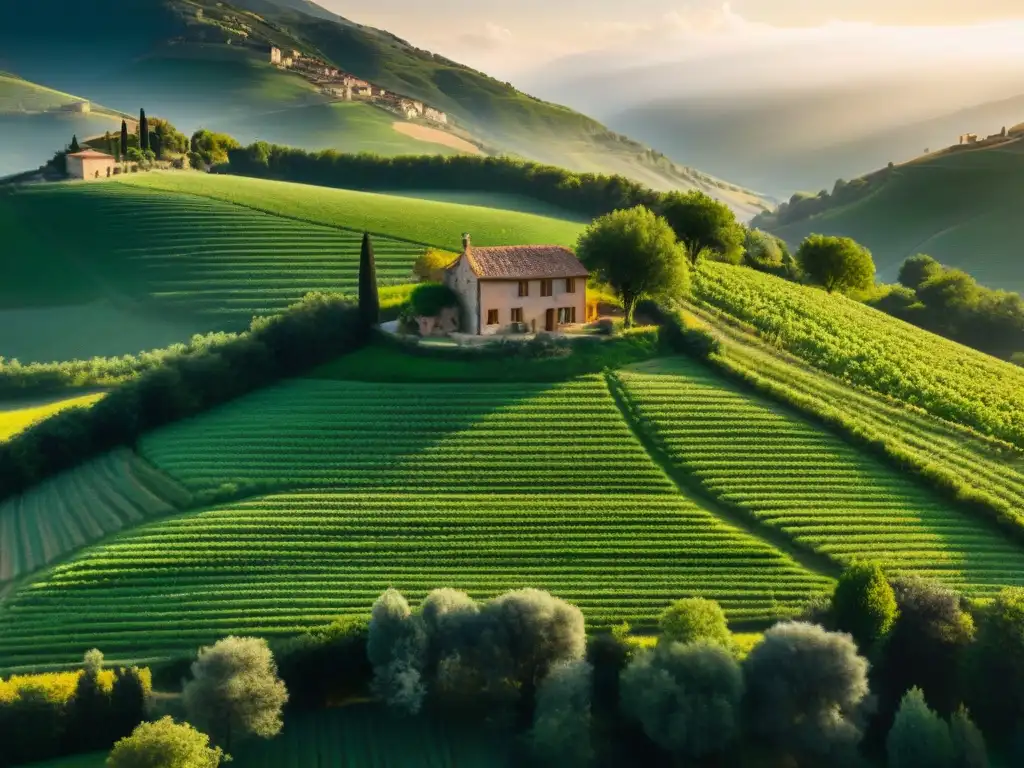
(896, 670)
(182, 384)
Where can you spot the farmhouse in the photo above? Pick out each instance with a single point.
(90, 165)
(518, 287)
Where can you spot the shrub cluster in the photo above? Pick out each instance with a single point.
(312, 332)
(47, 716)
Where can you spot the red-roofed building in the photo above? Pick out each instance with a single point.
(90, 164)
(525, 287)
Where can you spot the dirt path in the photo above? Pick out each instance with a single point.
(436, 136)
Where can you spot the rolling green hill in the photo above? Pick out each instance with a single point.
(197, 62)
(182, 253)
(965, 208)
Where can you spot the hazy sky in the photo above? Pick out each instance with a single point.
(510, 37)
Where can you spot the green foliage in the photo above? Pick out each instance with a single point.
(831, 333)
(919, 738)
(995, 662)
(143, 131)
(430, 267)
(864, 604)
(687, 697)
(369, 301)
(806, 690)
(705, 226)
(124, 140)
(397, 648)
(917, 269)
(235, 691)
(73, 146)
(969, 749)
(165, 744)
(561, 734)
(682, 333)
(763, 251)
(428, 299)
(694, 619)
(636, 253)
(212, 147)
(325, 664)
(836, 263)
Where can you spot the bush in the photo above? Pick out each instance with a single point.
(693, 619)
(806, 693)
(561, 723)
(235, 691)
(325, 665)
(428, 299)
(396, 647)
(165, 744)
(995, 662)
(430, 266)
(864, 604)
(683, 333)
(687, 697)
(916, 270)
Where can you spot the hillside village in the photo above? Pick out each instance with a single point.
(347, 87)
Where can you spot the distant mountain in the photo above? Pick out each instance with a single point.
(202, 62)
(963, 205)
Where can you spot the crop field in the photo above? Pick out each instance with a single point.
(978, 462)
(801, 480)
(485, 487)
(963, 208)
(871, 349)
(16, 416)
(435, 223)
(80, 506)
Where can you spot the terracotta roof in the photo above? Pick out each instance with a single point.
(523, 262)
(91, 154)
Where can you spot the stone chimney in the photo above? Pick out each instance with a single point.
(465, 241)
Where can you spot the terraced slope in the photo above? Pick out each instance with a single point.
(811, 485)
(871, 349)
(484, 487)
(78, 507)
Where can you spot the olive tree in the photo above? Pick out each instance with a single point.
(919, 738)
(836, 263)
(165, 744)
(235, 691)
(561, 721)
(637, 254)
(692, 619)
(397, 646)
(864, 604)
(704, 225)
(686, 697)
(806, 692)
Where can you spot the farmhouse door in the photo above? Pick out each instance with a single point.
(549, 320)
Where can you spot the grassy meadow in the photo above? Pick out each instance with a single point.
(964, 208)
(16, 416)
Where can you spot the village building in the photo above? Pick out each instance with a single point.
(275, 55)
(90, 164)
(436, 115)
(525, 288)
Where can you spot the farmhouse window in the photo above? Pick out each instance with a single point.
(524, 287)
(517, 314)
(566, 315)
(570, 285)
(492, 317)
(545, 287)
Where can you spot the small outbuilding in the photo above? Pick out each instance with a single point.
(90, 164)
(527, 288)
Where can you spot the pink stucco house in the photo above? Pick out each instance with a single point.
(529, 287)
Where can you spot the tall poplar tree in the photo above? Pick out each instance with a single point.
(143, 131)
(369, 301)
(124, 139)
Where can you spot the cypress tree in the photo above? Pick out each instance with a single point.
(74, 145)
(143, 131)
(369, 301)
(124, 139)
